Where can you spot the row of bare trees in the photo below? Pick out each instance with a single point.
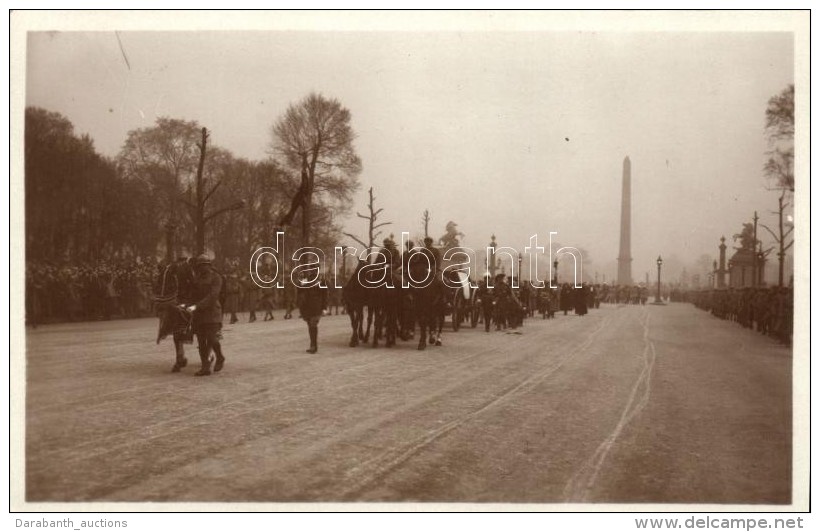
(170, 190)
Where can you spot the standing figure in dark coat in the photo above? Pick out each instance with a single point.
(207, 314)
(312, 303)
(251, 290)
(565, 298)
(232, 292)
(503, 301)
(289, 296)
(485, 296)
(580, 299)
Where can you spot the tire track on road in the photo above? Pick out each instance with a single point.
(109, 443)
(383, 464)
(581, 484)
(304, 457)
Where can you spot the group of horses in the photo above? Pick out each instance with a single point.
(394, 310)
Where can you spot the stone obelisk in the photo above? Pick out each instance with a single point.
(625, 256)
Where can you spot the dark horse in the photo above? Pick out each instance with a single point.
(356, 297)
(428, 299)
(386, 300)
(382, 299)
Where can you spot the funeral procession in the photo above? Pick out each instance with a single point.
(410, 267)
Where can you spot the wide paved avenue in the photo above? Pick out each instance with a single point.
(626, 404)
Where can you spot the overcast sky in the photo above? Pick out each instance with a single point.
(511, 133)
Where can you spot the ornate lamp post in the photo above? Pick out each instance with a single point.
(658, 294)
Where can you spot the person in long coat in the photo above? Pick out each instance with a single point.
(580, 299)
(311, 299)
(565, 298)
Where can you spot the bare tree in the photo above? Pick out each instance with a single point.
(314, 138)
(373, 226)
(198, 208)
(779, 168)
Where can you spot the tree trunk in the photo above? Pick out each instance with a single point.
(200, 198)
(307, 196)
(170, 242)
(306, 220)
(781, 255)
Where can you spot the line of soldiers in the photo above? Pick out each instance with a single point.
(768, 310)
(243, 295)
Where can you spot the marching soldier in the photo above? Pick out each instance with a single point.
(251, 290)
(485, 296)
(289, 297)
(207, 314)
(312, 303)
(232, 287)
(502, 299)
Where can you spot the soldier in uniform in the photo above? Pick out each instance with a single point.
(232, 288)
(268, 296)
(251, 290)
(391, 253)
(485, 296)
(207, 314)
(525, 299)
(312, 303)
(434, 254)
(289, 297)
(502, 299)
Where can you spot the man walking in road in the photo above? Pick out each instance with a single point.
(311, 299)
(207, 314)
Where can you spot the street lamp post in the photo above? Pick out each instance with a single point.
(519, 276)
(555, 273)
(658, 294)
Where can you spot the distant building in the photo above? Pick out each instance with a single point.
(742, 269)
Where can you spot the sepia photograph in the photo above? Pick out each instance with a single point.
(540, 261)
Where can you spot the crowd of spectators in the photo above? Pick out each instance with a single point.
(85, 291)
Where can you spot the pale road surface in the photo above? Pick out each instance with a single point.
(626, 404)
